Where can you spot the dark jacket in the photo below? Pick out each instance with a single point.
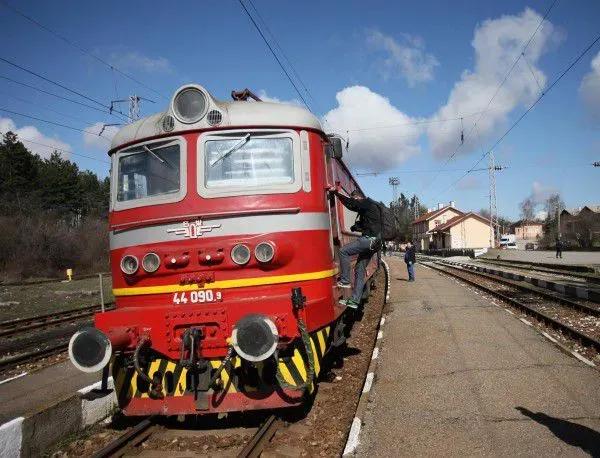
(368, 212)
(410, 256)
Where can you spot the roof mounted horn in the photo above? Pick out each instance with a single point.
(244, 95)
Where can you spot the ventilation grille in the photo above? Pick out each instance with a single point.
(214, 117)
(168, 123)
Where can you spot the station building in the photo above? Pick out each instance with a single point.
(527, 230)
(581, 225)
(450, 228)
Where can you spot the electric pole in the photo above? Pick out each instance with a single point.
(394, 183)
(134, 106)
(493, 206)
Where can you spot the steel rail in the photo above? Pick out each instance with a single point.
(33, 355)
(574, 333)
(53, 280)
(263, 436)
(15, 326)
(517, 284)
(131, 438)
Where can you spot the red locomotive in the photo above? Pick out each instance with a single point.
(223, 243)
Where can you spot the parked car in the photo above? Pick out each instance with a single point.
(530, 246)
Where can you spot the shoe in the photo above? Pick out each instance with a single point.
(343, 284)
(350, 303)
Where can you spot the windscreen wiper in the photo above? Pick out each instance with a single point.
(231, 150)
(157, 157)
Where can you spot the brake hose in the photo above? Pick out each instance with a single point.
(136, 361)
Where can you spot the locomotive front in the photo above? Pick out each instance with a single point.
(222, 259)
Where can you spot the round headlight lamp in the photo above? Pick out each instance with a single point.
(264, 252)
(240, 254)
(190, 105)
(129, 264)
(255, 337)
(150, 262)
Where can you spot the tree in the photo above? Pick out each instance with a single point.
(60, 189)
(528, 209)
(18, 175)
(554, 205)
(404, 212)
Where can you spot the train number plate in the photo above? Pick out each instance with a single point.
(197, 297)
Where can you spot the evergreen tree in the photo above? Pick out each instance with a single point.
(60, 187)
(19, 175)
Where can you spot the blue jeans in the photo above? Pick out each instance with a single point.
(411, 271)
(361, 247)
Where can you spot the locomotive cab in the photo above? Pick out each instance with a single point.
(222, 239)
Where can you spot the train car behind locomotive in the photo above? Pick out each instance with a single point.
(223, 242)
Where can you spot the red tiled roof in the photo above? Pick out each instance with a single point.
(427, 216)
(457, 219)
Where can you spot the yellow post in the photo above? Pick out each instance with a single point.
(70, 274)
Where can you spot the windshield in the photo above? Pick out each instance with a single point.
(248, 161)
(148, 170)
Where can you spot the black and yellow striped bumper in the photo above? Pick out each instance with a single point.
(237, 377)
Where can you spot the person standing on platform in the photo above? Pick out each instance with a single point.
(559, 248)
(410, 259)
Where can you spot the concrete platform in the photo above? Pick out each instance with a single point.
(575, 258)
(459, 376)
(33, 392)
(45, 406)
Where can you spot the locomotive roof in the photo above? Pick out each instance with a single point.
(234, 114)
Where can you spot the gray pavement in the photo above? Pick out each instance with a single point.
(36, 391)
(546, 257)
(458, 376)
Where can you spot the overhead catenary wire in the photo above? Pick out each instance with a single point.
(58, 96)
(288, 61)
(66, 126)
(531, 107)
(496, 92)
(43, 107)
(296, 74)
(62, 86)
(21, 139)
(275, 55)
(81, 49)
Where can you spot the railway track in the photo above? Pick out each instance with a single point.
(572, 318)
(18, 326)
(28, 340)
(132, 439)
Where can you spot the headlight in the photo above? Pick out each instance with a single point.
(189, 105)
(255, 337)
(129, 264)
(151, 262)
(240, 254)
(264, 252)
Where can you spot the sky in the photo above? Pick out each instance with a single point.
(401, 81)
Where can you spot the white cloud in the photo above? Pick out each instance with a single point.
(497, 43)
(541, 192)
(373, 149)
(133, 60)
(541, 215)
(590, 88)
(262, 94)
(91, 138)
(34, 140)
(405, 57)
